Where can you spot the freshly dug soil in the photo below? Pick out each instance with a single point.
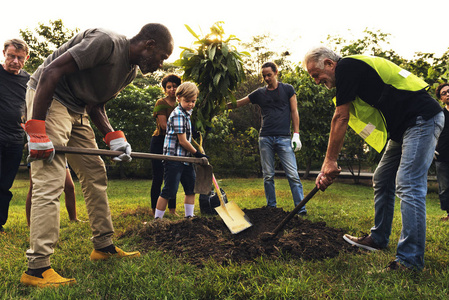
(202, 238)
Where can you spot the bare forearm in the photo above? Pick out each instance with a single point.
(295, 122)
(239, 103)
(294, 113)
(43, 96)
(98, 116)
(336, 138)
(182, 138)
(188, 146)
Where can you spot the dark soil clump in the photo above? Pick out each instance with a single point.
(199, 239)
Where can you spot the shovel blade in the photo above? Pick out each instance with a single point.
(203, 181)
(234, 217)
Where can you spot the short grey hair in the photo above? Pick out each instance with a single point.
(318, 55)
(18, 44)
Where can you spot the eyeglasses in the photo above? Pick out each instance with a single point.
(444, 93)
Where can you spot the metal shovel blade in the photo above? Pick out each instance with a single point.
(203, 181)
(230, 213)
(234, 218)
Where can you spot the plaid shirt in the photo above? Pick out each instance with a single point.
(178, 122)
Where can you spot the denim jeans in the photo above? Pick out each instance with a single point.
(403, 170)
(269, 145)
(442, 168)
(10, 157)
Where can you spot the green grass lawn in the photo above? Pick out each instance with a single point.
(157, 275)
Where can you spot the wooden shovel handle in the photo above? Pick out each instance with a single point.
(105, 152)
(295, 210)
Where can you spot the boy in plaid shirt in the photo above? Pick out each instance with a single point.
(177, 143)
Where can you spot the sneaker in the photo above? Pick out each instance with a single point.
(100, 255)
(365, 242)
(49, 279)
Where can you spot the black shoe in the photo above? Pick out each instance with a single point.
(1, 229)
(396, 266)
(393, 266)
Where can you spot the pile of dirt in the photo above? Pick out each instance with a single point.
(202, 238)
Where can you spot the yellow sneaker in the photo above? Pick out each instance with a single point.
(99, 255)
(50, 279)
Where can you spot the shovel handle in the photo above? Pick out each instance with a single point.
(105, 152)
(295, 210)
(217, 190)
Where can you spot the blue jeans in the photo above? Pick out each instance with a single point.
(269, 145)
(10, 157)
(403, 170)
(443, 183)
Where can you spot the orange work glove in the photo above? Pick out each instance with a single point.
(39, 145)
(116, 141)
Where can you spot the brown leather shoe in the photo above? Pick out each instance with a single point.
(444, 219)
(365, 242)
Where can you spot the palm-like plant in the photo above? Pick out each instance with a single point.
(217, 68)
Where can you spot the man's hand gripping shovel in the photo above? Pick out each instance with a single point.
(234, 218)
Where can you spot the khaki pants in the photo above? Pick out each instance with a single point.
(65, 128)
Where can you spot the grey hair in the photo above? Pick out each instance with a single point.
(18, 44)
(318, 55)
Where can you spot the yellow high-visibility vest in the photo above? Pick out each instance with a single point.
(368, 121)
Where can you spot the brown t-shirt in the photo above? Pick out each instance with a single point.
(104, 69)
(162, 108)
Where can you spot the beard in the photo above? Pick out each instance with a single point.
(146, 65)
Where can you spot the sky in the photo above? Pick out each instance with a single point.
(294, 25)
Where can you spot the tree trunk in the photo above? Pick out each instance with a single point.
(308, 166)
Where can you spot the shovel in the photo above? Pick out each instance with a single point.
(234, 218)
(270, 235)
(204, 170)
(232, 215)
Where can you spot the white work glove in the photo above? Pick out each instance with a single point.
(116, 141)
(296, 142)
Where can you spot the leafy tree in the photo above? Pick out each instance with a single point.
(44, 40)
(372, 43)
(216, 67)
(259, 54)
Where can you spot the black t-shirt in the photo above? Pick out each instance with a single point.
(275, 107)
(400, 108)
(443, 141)
(12, 105)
